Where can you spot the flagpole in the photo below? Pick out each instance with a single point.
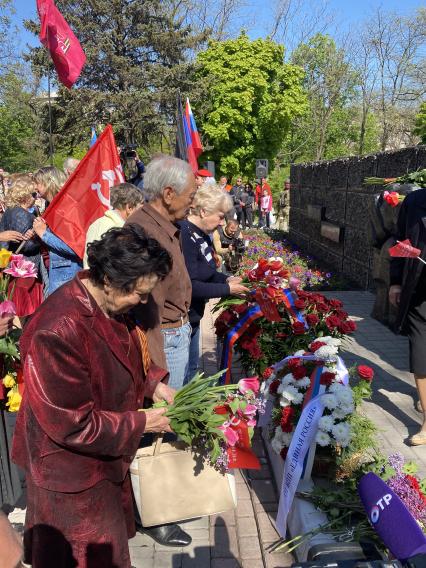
(50, 116)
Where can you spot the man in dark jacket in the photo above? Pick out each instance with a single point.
(408, 293)
(237, 193)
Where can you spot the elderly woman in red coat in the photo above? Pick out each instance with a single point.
(86, 375)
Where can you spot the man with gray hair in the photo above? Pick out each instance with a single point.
(169, 189)
(70, 164)
(125, 198)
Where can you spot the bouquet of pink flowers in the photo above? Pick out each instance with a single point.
(217, 421)
(15, 266)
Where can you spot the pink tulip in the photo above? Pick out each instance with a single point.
(251, 383)
(21, 268)
(7, 309)
(230, 434)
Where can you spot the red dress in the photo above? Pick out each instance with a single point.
(77, 431)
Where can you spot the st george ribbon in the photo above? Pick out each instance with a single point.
(303, 436)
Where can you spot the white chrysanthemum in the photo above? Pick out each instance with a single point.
(264, 386)
(329, 401)
(284, 402)
(299, 353)
(330, 340)
(335, 387)
(304, 383)
(344, 395)
(329, 368)
(344, 442)
(326, 352)
(343, 410)
(287, 380)
(289, 392)
(276, 445)
(341, 431)
(326, 423)
(322, 438)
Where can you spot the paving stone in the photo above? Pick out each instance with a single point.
(267, 527)
(227, 518)
(224, 542)
(252, 563)
(247, 526)
(278, 560)
(243, 492)
(263, 491)
(266, 507)
(167, 560)
(199, 557)
(225, 563)
(249, 548)
(244, 509)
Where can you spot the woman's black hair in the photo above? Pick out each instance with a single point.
(123, 255)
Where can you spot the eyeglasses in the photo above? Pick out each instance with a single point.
(240, 180)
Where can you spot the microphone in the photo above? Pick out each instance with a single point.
(390, 518)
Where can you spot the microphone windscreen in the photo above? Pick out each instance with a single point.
(390, 518)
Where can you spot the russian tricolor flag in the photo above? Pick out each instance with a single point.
(188, 142)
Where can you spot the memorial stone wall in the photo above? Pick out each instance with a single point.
(329, 208)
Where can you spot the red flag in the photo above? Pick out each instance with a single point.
(404, 249)
(85, 196)
(65, 49)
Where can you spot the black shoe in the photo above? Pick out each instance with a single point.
(167, 535)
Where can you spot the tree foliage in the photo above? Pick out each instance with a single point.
(137, 60)
(251, 98)
(330, 83)
(420, 129)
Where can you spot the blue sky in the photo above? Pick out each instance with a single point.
(346, 13)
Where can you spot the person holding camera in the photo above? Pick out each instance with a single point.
(224, 239)
(207, 214)
(133, 166)
(247, 197)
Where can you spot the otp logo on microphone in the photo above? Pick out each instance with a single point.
(379, 506)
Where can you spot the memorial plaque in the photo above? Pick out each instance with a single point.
(331, 232)
(316, 212)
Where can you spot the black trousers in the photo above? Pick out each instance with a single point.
(247, 217)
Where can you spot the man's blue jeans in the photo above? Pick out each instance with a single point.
(194, 354)
(176, 348)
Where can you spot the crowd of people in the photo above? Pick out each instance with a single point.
(103, 337)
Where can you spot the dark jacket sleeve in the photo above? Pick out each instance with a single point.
(397, 264)
(207, 282)
(17, 219)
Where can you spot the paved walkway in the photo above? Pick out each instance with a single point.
(239, 539)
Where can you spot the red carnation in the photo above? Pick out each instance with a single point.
(365, 372)
(302, 294)
(341, 314)
(327, 378)
(298, 328)
(299, 372)
(267, 373)
(300, 304)
(273, 387)
(312, 320)
(286, 421)
(293, 363)
(316, 345)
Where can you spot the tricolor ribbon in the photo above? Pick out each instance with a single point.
(289, 297)
(251, 315)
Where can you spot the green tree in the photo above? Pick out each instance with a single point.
(420, 129)
(138, 57)
(20, 149)
(330, 83)
(251, 96)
